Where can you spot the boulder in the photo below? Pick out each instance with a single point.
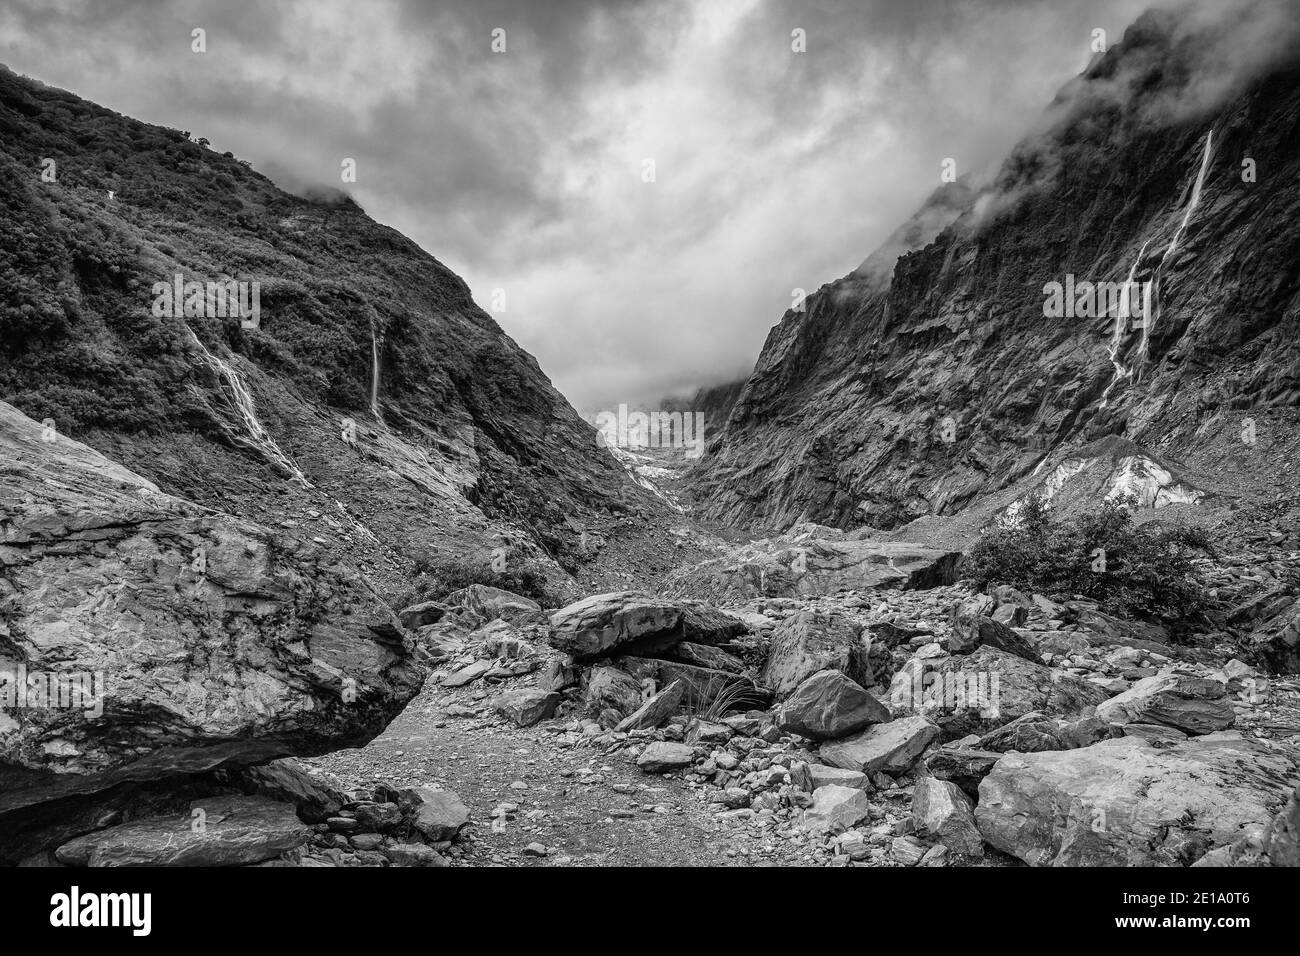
(286, 780)
(964, 766)
(829, 705)
(1277, 640)
(665, 756)
(836, 809)
(1196, 705)
(943, 813)
(437, 815)
(421, 615)
(1282, 837)
(217, 831)
(527, 705)
(714, 658)
(889, 748)
(823, 775)
(609, 688)
(188, 639)
(972, 631)
(980, 691)
(657, 709)
(492, 604)
(1125, 802)
(808, 642)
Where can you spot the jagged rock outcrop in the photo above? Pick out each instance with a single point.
(175, 638)
(925, 386)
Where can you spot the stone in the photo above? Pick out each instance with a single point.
(665, 756)
(943, 813)
(836, 809)
(437, 815)
(467, 674)
(1281, 840)
(890, 748)
(1196, 705)
(527, 705)
(611, 688)
(983, 690)
(970, 632)
(286, 780)
(824, 775)
(634, 623)
(378, 817)
(414, 854)
(421, 615)
(495, 604)
(702, 655)
(808, 642)
(272, 650)
(964, 766)
(557, 675)
(218, 831)
(1125, 802)
(656, 710)
(906, 850)
(828, 705)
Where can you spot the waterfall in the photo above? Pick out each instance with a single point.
(1117, 335)
(374, 372)
(242, 399)
(1192, 203)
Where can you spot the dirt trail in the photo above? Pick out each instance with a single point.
(612, 815)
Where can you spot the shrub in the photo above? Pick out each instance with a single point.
(1137, 571)
(436, 577)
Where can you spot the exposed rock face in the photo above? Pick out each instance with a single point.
(630, 622)
(1124, 802)
(829, 705)
(919, 388)
(1196, 705)
(203, 639)
(806, 643)
(804, 564)
(474, 440)
(218, 831)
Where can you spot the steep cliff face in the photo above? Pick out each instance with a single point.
(1172, 162)
(374, 407)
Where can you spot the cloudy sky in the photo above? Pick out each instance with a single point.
(525, 170)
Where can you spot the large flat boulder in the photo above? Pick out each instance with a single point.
(217, 831)
(1197, 705)
(186, 639)
(1124, 802)
(630, 622)
(888, 748)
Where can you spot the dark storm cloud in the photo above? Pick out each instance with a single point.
(523, 171)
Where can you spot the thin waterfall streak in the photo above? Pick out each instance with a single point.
(374, 373)
(1192, 203)
(1117, 334)
(242, 399)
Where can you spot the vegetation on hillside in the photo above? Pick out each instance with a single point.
(1142, 571)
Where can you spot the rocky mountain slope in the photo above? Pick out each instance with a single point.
(457, 435)
(933, 386)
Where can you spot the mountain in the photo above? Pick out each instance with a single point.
(459, 442)
(942, 386)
